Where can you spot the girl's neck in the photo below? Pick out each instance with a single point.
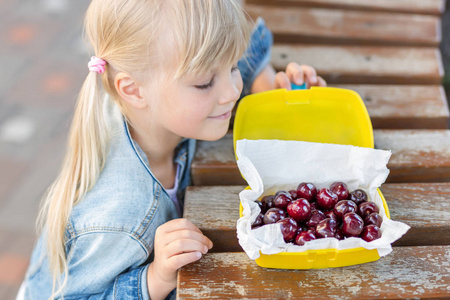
(160, 152)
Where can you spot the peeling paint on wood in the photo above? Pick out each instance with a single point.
(408, 272)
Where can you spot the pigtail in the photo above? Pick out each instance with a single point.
(85, 157)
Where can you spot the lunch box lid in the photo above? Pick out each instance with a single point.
(319, 114)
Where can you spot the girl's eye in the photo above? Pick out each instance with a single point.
(205, 86)
(234, 69)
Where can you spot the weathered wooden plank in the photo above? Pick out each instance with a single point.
(215, 164)
(423, 206)
(417, 156)
(341, 26)
(427, 7)
(404, 106)
(215, 210)
(365, 64)
(406, 273)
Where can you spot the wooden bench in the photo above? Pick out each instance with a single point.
(311, 25)
(406, 273)
(423, 206)
(417, 156)
(427, 7)
(364, 64)
(404, 106)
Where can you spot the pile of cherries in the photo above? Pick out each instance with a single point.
(307, 214)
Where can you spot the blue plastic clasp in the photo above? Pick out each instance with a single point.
(298, 87)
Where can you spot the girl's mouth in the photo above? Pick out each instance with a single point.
(224, 116)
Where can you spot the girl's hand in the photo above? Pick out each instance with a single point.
(177, 243)
(268, 79)
(298, 74)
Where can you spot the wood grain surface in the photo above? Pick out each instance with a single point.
(341, 26)
(364, 64)
(407, 272)
(403, 106)
(431, 7)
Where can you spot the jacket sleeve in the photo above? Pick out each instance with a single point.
(106, 265)
(257, 55)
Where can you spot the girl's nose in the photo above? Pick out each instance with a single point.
(231, 91)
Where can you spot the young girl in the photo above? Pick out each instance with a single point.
(165, 72)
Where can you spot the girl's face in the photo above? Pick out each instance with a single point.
(198, 107)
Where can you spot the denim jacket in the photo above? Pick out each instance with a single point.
(110, 233)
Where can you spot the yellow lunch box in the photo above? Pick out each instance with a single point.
(321, 115)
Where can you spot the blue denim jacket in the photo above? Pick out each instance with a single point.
(110, 234)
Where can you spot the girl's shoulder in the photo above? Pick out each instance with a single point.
(126, 195)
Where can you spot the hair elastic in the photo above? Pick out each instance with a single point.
(97, 65)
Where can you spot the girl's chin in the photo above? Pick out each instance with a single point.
(217, 134)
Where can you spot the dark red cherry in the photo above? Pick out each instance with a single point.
(352, 224)
(311, 229)
(331, 215)
(316, 217)
(303, 237)
(307, 190)
(289, 229)
(339, 234)
(326, 199)
(373, 219)
(358, 196)
(267, 202)
(299, 210)
(259, 221)
(371, 233)
(273, 215)
(340, 189)
(293, 194)
(314, 206)
(366, 208)
(282, 199)
(260, 205)
(326, 228)
(343, 207)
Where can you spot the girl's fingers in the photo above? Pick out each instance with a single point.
(282, 81)
(178, 261)
(299, 74)
(310, 75)
(186, 235)
(295, 73)
(184, 246)
(321, 81)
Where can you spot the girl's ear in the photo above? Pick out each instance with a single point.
(129, 90)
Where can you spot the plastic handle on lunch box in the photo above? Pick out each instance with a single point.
(298, 87)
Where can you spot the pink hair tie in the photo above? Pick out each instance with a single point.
(97, 65)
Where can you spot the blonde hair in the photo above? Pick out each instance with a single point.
(127, 34)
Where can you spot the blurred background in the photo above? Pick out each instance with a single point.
(43, 62)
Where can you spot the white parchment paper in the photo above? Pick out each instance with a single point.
(272, 165)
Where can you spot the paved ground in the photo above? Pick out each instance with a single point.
(42, 65)
(43, 60)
